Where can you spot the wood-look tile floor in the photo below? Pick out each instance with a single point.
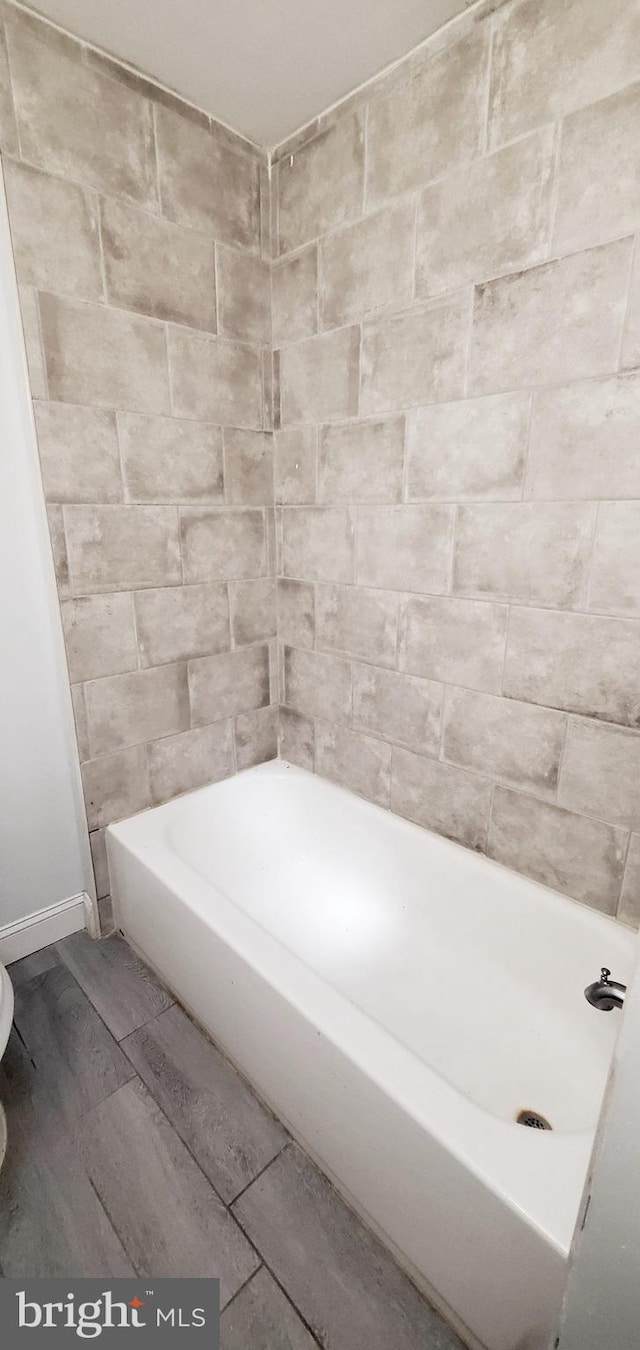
(136, 1149)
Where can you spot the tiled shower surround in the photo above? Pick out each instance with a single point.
(138, 231)
(456, 323)
(451, 329)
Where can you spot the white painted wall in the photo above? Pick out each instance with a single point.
(44, 846)
(602, 1302)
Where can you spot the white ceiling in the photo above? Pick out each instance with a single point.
(265, 67)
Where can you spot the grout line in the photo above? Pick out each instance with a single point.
(101, 258)
(110, 1220)
(623, 874)
(469, 343)
(453, 519)
(156, 154)
(265, 1264)
(587, 580)
(365, 156)
(247, 1187)
(555, 190)
(627, 308)
(561, 758)
(506, 649)
(414, 271)
(4, 31)
(135, 630)
(41, 347)
(527, 449)
(486, 138)
(245, 1283)
(124, 484)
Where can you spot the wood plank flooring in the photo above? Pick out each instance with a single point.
(136, 1149)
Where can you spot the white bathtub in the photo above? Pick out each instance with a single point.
(398, 1000)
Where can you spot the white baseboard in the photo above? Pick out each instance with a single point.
(34, 931)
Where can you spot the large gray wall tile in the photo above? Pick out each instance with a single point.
(317, 685)
(583, 663)
(54, 231)
(615, 571)
(559, 321)
(205, 183)
(296, 614)
(321, 186)
(156, 267)
(100, 635)
(189, 760)
(295, 459)
(405, 548)
(582, 858)
(105, 357)
(367, 266)
(356, 761)
(440, 797)
(168, 460)
(458, 641)
(252, 606)
(491, 217)
(294, 296)
(409, 141)
(244, 296)
(79, 455)
(399, 707)
(222, 545)
(234, 682)
(357, 622)
(535, 552)
(215, 380)
(296, 739)
(319, 376)
(584, 440)
(601, 772)
(115, 786)
(550, 58)
(256, 736)
(598, 182)
(318, 545)
(248, 468)
(113, 548)
(129, 709)
(474, 449)
(414, 358)
(182, 621)
(75, 122)
(515, 743)
(361, 462)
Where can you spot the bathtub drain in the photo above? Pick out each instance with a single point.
(533, 1119)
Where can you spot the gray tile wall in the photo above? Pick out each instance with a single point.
(456, 311)
(139, 228)
(421, 341)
